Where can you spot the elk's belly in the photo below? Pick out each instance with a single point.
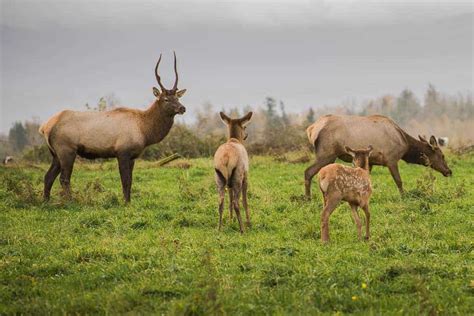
(91, 153)
(376, 158)
(356, 198)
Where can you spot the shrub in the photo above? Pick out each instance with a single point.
(184, 141)
(37, 154)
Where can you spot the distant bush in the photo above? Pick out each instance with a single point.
(184, 141)
(37, 154)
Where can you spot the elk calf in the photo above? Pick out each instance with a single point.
(341, 183)
(231, 164)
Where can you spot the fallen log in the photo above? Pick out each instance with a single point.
(168, 159)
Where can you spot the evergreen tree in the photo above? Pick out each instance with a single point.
(434, 105)
(407, 108)
(284, 117)
(18, 136)
(310, 116)
(270, 104)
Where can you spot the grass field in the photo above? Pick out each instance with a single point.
(163, 254)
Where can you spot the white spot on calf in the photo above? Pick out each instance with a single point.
(323, 184)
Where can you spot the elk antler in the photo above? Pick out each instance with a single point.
(158, 76)
(175, 87)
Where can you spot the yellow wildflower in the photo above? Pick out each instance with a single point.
(364, 285)
(355, 298)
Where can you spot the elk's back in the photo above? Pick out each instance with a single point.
(331, 133)
(229, 156)
(100, 134)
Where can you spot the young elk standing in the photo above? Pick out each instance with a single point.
(341, 183)
(231, 164)
(122, 133)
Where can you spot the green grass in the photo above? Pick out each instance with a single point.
(163, 254)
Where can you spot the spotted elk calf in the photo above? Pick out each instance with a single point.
(341, 183)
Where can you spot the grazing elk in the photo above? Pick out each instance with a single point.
(231, 164)
(341, 183)
(122, 133)
(330, 133)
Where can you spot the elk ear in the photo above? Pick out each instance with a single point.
(180, 93)
(244, 120)
(225, 118)
(433, 141)
(349, 151)
(156, 92)
(423, 139)
(369, 149)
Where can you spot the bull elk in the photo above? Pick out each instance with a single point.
(340, 183)
(121, 133)
(330, 133)
(231, 164)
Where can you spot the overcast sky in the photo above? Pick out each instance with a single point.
(62, 54)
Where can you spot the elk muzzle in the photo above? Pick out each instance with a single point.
(448, 173)
(181, 109)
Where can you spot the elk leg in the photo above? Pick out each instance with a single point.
(221, 185)
(125, 168)
(236, 191)
(67, 163)
(367, 221)
(396, 176)
(331, 205)
(245, 202)
(50, 176)
(312, 170)
(230, 203)
(325, 200)
(131, 165)
(356, 218)
(221, 205)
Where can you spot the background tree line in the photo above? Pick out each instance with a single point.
(275, 131)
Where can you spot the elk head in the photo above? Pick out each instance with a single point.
(237, 127)
(169, 98)
(360, 157)
(433, 156)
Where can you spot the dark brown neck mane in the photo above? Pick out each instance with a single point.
(157, 123)
(235, 132)
(364, 165)
(415, 151)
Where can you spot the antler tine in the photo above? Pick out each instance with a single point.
(158, 76)
(175, 87)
